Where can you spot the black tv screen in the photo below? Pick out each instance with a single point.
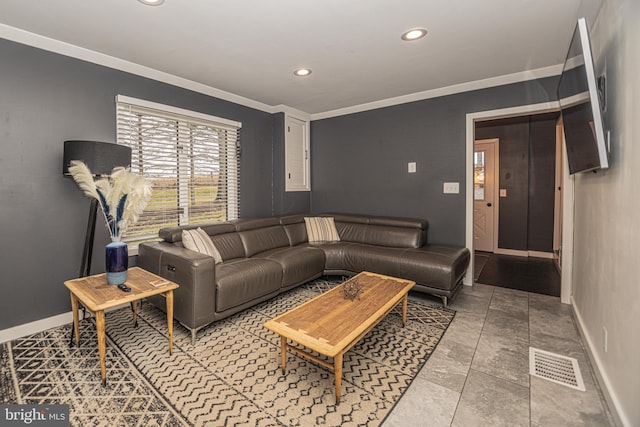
(581, 107)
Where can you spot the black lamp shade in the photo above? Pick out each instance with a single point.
(100, 157)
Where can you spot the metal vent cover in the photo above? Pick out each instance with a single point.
(556, 368)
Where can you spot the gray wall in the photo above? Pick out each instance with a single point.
(359, 161)
(606, 292)
(527, 172)
(542, 181)
(46, 99)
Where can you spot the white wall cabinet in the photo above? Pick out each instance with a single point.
(296, 141)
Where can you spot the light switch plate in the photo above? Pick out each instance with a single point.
(451, 188)
(411, 167)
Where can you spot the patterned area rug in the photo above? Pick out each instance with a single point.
(231, 376)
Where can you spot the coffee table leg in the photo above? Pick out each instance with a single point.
(405, 300)
(170, 319)
(74, 309)
(337, 371)
(283, 355)
(102, 349)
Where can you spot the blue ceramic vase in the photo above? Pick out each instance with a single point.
(116, 261)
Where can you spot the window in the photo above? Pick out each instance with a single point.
(192, 160)
(478, 175)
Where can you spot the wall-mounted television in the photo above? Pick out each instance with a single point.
(581, 103)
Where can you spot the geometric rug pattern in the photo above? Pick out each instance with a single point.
(232, 376)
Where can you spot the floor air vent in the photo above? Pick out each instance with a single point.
(554, 367)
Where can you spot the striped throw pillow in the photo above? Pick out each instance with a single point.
(321, 229)
(198, 240)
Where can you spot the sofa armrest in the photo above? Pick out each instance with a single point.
(194, 272)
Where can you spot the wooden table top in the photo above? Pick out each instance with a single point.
(96, 294)
(330, 322)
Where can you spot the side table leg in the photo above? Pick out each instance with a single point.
(74, 309)
(102, 349)
(337, 371)
(170, 319)
(134, 308)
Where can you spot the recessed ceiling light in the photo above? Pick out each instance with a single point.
(414, 34)
(302, 72)
(152, 2)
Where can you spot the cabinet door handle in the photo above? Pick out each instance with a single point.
(489, 204)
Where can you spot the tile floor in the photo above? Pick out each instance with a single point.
(479, 373)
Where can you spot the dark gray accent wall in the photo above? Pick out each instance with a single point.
(527, 172)
(542, 180)
(513, 177)
(359, 161)
(46, 99)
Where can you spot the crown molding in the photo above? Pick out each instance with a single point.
(35, 40)
(293, 112)
(539, 73)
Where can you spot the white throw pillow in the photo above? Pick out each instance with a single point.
(198, 240)
(321, 229)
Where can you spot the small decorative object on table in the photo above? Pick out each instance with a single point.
(351, 289)
(122, 196)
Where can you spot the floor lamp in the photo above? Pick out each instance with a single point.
(101, 158)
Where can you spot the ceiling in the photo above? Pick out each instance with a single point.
(249, 49)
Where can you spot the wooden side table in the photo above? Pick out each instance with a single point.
(96, 295)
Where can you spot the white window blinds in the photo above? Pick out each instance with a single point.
(191, 159)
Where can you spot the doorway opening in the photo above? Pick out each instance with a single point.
(563, 218)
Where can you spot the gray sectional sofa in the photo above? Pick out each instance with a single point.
(265, 256)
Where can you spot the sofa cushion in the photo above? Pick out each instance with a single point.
(321, 229)
(229, 245)
(299, 264)
(263, 239)
(295, 228)
(377, 259)
(381, 235)
(199, 241)
(241, 280)
(334, 253)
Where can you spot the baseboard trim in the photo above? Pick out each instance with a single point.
(513, 252)
(526, 254)
(25, 329)
(610, 397)
(35, 327)
(538, 254)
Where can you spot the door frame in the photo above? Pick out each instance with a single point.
(557, 206)
(568, 193)
(496, 185)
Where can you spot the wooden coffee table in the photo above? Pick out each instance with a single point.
(331, 324)
(94, 293)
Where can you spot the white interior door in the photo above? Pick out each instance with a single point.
(484, 205)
